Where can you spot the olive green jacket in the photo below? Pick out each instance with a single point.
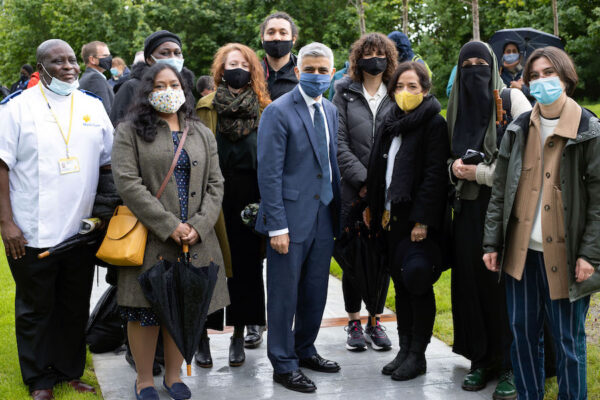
(580, 184)
(139, 168)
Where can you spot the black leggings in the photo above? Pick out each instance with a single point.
(413, 274)
(353, 299)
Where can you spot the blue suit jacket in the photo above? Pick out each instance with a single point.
(289, 170)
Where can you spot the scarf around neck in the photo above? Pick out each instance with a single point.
(411, 127)
(237, 116)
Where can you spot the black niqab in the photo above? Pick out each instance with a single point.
(475, 100)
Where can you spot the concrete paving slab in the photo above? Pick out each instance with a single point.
(360, 374)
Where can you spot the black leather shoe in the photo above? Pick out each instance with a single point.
(414, 365)
(318, 363)
(253, 337)
(156, 369)
(236, 352)
(295, 380)
(203, 357)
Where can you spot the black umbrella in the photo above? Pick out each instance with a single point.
(79, 239)
(362, 257)
(528, 39)
(180, 294)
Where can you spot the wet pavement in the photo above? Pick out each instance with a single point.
(360, 375)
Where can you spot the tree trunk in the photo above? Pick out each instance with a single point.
(360, 10)
(555, 14)
(405, 16)
(475, 10)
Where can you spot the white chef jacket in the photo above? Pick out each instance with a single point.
(47, 206)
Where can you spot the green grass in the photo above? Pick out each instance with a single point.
(11, 384)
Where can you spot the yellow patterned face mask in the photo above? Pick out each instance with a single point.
(408, 101)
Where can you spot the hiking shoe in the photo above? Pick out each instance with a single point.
(356, 338)
(505, 389)
(375, 335)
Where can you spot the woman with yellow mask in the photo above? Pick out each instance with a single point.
(407, 195)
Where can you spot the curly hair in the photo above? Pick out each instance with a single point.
(366, 45)
(143, 116)
(257, 77)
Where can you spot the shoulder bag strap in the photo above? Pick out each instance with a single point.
(174, 163)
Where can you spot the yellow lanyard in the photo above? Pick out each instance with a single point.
(62, 133)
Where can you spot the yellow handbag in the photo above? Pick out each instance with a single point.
(125, 241)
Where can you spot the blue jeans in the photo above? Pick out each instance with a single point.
(529, 303)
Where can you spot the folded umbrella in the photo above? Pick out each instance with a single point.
(80, 239)
(180, 295)
(362, 256)
(527, 39)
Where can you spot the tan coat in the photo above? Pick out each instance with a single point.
(139, 168)
(534, 173)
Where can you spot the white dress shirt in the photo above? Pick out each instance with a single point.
(310, 103)
(47, 206)
(375, 100)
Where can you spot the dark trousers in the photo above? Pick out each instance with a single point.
(529, 304)
(413, 274)
(52, 304)
(296, 294)
(353, 298)
(246, 287)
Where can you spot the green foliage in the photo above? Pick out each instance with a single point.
(437, 28)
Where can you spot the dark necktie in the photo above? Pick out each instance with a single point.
(326, 192)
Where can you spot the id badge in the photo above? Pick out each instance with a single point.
(68, 165)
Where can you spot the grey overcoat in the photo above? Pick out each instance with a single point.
(139, 168)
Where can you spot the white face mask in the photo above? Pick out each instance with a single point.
(59, 87)
(167, 101)
(176, 63)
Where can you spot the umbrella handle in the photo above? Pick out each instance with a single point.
(43, 255)
(189, 370)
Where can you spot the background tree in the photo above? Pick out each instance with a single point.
(437, 28)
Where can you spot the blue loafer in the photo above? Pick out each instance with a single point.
(148, 393)
(178, 391)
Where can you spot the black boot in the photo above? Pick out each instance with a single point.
(415, 364)
(393, 365)
(203, 357)
(236, 352)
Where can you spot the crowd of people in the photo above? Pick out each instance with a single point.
(503, 194)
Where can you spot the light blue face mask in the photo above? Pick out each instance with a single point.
(176, 63)
(511, 58)
(114, 71)
(61, 88)
(314, 85)
(546, 90)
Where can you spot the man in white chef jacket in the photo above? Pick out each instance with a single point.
(54, 139)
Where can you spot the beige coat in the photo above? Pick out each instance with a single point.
(139, 168)
(535, 171)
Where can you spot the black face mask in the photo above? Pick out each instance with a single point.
(105, 63)
(476, 78)
(372, 66)
(24, 78)
(236, 78)
(277, 48)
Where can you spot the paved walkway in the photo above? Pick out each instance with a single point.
(360, 376)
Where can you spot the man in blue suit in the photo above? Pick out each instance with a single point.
(298, 177)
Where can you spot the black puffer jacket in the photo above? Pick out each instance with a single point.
(124, 97)
(355, 137)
